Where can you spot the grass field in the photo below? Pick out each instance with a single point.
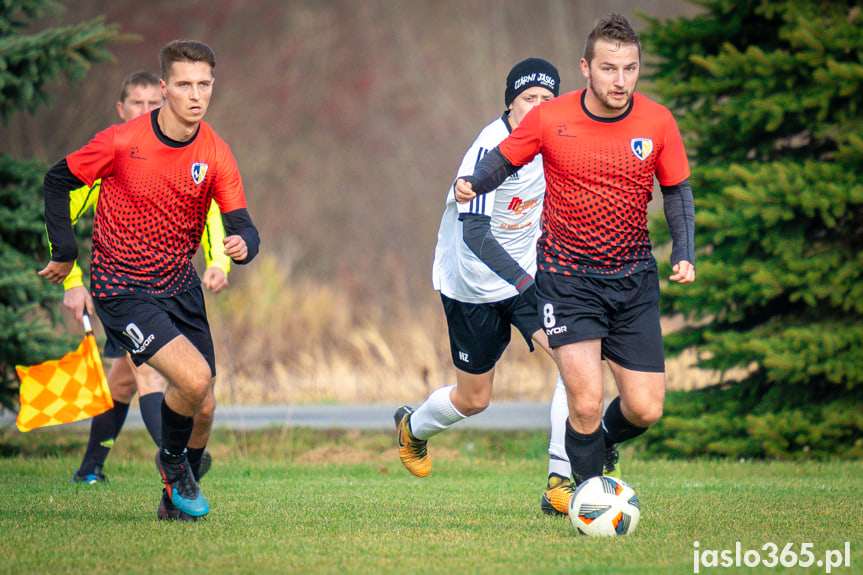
(306, 501)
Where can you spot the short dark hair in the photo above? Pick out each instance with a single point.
(184, 51)
(613, 28)
(141, 78)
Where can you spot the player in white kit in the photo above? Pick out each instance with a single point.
(485, 260)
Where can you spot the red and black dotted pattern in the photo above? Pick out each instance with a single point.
(597, 186)
(151, 211)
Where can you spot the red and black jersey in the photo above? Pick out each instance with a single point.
(153, 204)
(599, 179)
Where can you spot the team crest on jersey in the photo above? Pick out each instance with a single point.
(641, 147)
(199, 171)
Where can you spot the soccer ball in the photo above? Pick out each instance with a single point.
(604, 506)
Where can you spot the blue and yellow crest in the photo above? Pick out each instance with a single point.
(199, 171)
(641, 147)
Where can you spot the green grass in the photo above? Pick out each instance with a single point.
(282, 503)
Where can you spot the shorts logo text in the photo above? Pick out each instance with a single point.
(140, 343)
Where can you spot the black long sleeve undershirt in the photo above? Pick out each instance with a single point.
(679, 207)
(478, 237)
(238, 222)
(491, 172)
(58, 184)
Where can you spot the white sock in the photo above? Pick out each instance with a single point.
(436, 414)
(558, 461)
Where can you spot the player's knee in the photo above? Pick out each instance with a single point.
(121, 382)
(646, 415)
(205, 416)
(653, 416)
(207, 411)
(587, 411)
(200, 388)
(197, 384)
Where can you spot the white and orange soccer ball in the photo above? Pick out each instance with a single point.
(604, 506)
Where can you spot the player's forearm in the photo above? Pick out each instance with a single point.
(679, 206)
(238, 222)
(478, 237)
(491, 172)
(58, 182)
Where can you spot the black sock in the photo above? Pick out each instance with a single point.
(151, 413)
(176, 431)
(103, 431)
(586, 453)
(194, 454)
(121, 410)
(617, 428)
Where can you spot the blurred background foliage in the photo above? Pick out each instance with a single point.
(767, 93)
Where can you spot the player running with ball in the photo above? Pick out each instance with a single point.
(597, 282)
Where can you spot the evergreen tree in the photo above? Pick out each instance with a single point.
(28, 64)
(767, 94)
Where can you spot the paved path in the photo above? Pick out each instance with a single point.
(375, 416)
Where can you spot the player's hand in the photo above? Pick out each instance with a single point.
(56, 272)
(215, 279)
(463, 191)
(78, 299)
(235, 248)
(684, 272)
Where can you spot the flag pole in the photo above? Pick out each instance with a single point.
(88, 327)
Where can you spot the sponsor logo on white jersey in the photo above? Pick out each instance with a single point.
(518, 206)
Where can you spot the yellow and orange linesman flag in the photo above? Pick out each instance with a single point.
(65, 390)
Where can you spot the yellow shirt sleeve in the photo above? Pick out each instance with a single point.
(80, 201)
(211, 240)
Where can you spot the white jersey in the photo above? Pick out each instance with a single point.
(515, 209)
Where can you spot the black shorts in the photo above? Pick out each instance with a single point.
(480, 332)
(622, 312)
(144, 324)
(113, 348)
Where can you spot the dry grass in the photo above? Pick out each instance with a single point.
(281, 338)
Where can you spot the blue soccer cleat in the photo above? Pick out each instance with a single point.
(167, 511)
(181, 488)
(90, 478)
